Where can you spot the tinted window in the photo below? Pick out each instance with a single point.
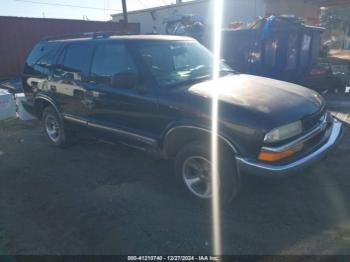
(77, 58)
(271, 52)
(292, 51)
(36, 52)
(110, 59)
(41, 58)
(305, 50)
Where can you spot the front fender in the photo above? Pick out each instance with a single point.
(178, 136)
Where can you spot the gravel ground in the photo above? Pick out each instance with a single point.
(97, 198)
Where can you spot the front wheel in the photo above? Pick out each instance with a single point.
(193, 166)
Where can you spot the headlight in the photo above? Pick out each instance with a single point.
(284, 132)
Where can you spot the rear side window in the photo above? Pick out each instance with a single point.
(292, 51)
(41, 58)
(305, 50)
(77, 58)
(110, 59)
(271, 52)
(35, 54)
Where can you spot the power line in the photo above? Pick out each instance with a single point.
(165, 2)
(104, 9)
(142, 3)
(67, 5)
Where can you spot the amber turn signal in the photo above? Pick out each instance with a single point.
(275, 156)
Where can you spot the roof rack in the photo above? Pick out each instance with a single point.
(92, 35)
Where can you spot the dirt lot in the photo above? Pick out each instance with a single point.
(96, 198)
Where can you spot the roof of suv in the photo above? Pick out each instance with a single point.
(121, 37)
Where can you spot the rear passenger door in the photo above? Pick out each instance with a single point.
(69, 79)
(126, 109)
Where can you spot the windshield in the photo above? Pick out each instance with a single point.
(173, 63)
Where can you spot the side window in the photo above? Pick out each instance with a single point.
(41, 59)
(35, 54)
(292, 51)
(110, 59)
(271, 52)
(76, 61)
(305, 50)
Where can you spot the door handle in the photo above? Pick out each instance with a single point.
(53, 88)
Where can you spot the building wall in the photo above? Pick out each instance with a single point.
(311, 13)
(234, 10)
(18, 35)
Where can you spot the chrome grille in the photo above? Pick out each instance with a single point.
(311, 121)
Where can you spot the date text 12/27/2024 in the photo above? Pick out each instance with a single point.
(173, 258)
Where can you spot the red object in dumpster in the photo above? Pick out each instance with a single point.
(235, 25)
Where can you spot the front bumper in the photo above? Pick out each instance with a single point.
(252, 166)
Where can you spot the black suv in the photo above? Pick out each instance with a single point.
(154, 92)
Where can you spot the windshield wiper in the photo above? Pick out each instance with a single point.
(201, 78)
(191, 80)
(228, 71)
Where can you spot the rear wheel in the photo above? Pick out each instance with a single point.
(54, 128)
(193, 167)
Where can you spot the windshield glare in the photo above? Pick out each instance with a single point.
(173, 63)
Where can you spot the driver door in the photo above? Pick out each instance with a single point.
(129, 110)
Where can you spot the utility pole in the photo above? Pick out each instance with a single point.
(125, 11)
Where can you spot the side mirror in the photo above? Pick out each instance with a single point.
(127, 79)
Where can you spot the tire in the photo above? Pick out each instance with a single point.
(198, 154)
(54, 128)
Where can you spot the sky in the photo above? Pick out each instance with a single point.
(73, 9)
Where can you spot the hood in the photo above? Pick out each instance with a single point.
(272, 101)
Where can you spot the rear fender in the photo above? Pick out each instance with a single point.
(41, 101)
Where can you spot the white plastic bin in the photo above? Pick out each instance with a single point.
(7, 105)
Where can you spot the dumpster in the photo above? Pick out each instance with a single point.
(282, 48)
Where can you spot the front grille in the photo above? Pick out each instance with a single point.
(315, 140)
(307, 147)
(311, 121)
